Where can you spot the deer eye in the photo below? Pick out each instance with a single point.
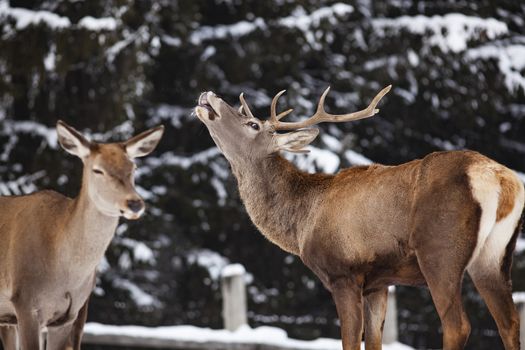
(98, 171)
(253, 125)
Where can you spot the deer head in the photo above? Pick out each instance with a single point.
(108, 174)
(241, 136)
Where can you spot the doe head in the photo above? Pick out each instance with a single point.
(242, 137)
(109, 168)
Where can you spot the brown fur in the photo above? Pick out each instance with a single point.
(509, 189)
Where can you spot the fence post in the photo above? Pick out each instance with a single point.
(519, 301)
(390, 327)
(233, 297)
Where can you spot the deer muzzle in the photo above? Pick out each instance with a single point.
(133, 209)
(205, 109)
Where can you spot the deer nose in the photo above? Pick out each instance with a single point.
(135, 205)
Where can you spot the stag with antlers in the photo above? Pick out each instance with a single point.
(365, 228)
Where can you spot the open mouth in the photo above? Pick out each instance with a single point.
(204, 109)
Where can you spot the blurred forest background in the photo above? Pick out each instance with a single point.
(113, 68)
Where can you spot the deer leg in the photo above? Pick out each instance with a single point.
(495, 287)
(348, 298)
(78, 327)
(29, 330)
(497, 293)
(375, 311)
(444, 232)
(58, 338)
(491, 276)
(444, 279)
(9, 337)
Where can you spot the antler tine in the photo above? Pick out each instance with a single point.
(245, 105)
(274, 117)
(321, 115)
(320, 105)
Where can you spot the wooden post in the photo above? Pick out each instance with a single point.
(233, 297)
(519, 300)
(390, 327)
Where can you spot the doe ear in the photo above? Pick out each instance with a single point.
(72, 141)
(144, 143)
(295, 141)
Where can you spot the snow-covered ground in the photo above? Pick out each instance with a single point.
(244, 335)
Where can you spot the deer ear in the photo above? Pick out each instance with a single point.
(72, 141)
(295, 141)
(144, 143)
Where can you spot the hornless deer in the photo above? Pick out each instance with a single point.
(420, 223)
(50, 245)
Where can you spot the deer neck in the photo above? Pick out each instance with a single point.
(87, 233)
(279, 198)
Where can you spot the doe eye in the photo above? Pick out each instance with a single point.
(98, 171)
(253, 125)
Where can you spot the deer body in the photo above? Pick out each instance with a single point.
(52, 244)
(64, 254)
(424, 222)
(364, 218)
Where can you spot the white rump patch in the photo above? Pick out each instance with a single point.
(493, 237)
(485, 189)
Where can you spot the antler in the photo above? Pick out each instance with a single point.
(321, 115)
(274, 118)
(245, 106)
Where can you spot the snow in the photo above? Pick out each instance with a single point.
(210, 260)
(171, 40)
(504, 127)
(510, 60)
(332, 143)
(450, 32)
(220, 189)
(124, 261)
(103, 266)
(208, 52)
(139, 296)
(233, 270)
(171, 159)
(176, 115)
(299, 19)
(269, 336)
(413, 58)
(98, 24)
(357, 159)
(304, 21)
(50, 59)
(520, 244)
(518, 297)
(324, 160)
(226, 31)
(33, 128)
(24, 17)
(114, 50)
(141, 252)
(23, 185)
